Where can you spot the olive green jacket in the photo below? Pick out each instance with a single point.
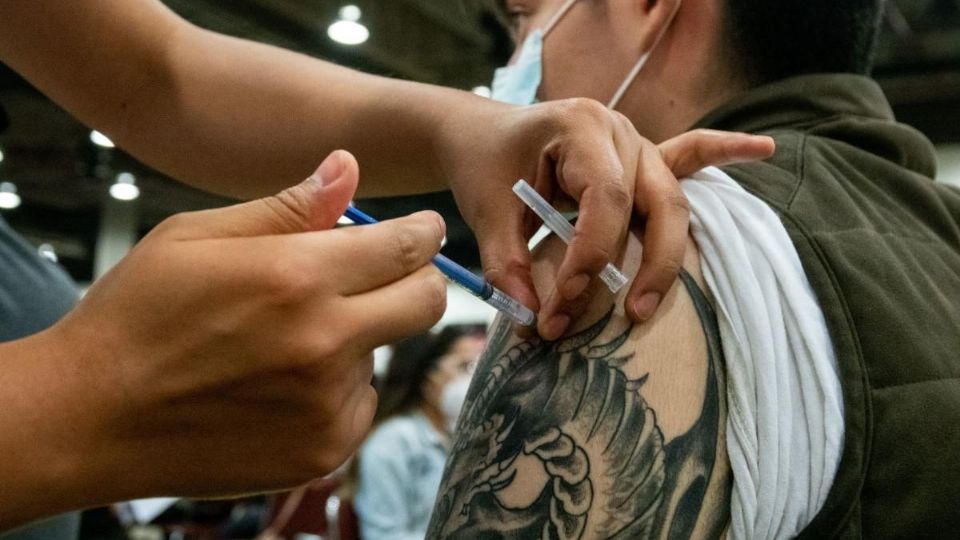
(880, 243)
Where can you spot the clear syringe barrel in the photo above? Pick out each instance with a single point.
(554, 220)
(519, 313)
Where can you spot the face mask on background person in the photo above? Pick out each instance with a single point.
(518, 83)
(451, 400)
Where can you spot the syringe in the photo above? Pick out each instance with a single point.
(473, 283)
(554, 220)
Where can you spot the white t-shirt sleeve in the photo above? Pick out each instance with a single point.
(785, 423)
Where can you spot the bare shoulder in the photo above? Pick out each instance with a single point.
(614, 431)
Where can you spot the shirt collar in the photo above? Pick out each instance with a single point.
(846, 107)
(801, 100)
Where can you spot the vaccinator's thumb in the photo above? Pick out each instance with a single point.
(312, 205)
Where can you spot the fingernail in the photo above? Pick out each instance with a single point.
(331, 169)
(647, 305)
(441, 227)
(575, 286)
(556, 326)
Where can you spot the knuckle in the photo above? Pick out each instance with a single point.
(171, 224)
(591, 255)
(625, 122)
(291, 206)
(648, 148)
(589, 107)
(668, 267)
(324, 346)
(321, 462)
(594, 257)
(291, 280)
(495, 270)
(574, 112)
(702, 153)
(677, 202)
(406, 249)
(435, 292)
(698, 135)
(616, 197)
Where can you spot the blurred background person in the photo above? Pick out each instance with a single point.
(400, 465)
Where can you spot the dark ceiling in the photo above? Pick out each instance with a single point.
(63, 178)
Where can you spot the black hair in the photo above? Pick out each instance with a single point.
(770, 40)
(412, 362)
(776, 39)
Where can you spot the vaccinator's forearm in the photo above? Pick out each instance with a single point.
(224, 114)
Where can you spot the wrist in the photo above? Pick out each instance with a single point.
(468, 129)
(51, 463)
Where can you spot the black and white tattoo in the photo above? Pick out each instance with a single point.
(556, 442)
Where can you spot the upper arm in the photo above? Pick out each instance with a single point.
(615, 431)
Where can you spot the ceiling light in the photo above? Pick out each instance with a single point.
(482, 91)
(348, 30)
(1, 156)
(125, 188)
(100, 139)
(8, 196)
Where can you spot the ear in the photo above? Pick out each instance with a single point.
(657, 18)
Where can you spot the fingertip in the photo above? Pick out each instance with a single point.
(768, 143)
(525, 332)
(552, 328)
(644, 307)
(434, 218)
(327, 192)
(330, 169)
(751, 147)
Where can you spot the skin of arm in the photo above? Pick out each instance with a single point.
(224, 114)
(614, 431)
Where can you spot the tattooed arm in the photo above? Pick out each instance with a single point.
(614, 431)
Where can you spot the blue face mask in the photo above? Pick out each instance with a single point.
(519, 82)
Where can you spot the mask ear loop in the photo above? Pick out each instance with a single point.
(615, 100)
(547, 27)
(557, 16)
